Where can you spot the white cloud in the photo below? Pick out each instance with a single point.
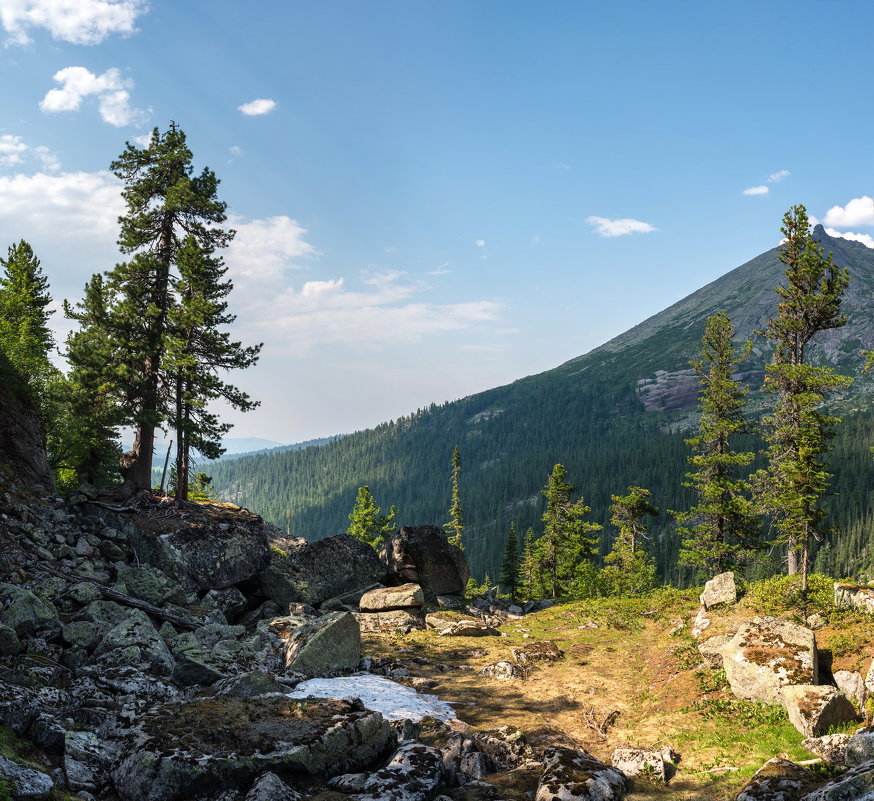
(12, 150)
(756, 190)
(110, 89)
(261, 105)
(480, 243)
(859, 211)
(266, 249)
(604, 226)
(84, 22)
(143, 140)
(865, 239)
(235, 150)
(776, 177)
(441, 269)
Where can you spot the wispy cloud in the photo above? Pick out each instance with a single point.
(441, 269)
(480, 243)
(756, 190)
(859, 211)
(266, 249)
(12, 150)
(604, 226)
(254, 108)
(776, 177)
(110, 89)
(83, 22)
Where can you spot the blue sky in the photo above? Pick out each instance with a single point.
(437, 197)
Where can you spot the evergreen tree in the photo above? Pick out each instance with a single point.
(720, 529)
(455, 526)
(631, 570)
(166, 203)
(798, 432)
(366, 523)
(530, 566)
(510, 568)
(90, 451)
(565, 541)
(24, 330)
(197, 349)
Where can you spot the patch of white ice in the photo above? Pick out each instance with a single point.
(393, 700)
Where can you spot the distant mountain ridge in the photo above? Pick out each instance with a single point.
(615, 417)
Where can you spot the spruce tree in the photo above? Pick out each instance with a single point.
(366, 523)
(166, 202)
(798, 431)
(510, 568)
(565, 542)
(631, 570)
(455, 526)
(530, 569)
(720, 530)
(197, 349)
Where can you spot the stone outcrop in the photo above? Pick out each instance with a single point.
(854, 596)
(389, 599)
(857, 784)
(414, 773)
(651, 762)
(814, 709)
(422, 555)
(183, 750)
(313, 572)
(504, 671)
(400, 620)
(860, 748)
(537, 651)
(831, 748)
(711, 650)
(570, 775)
(852, 685)
(721, 589)
(768, 653)
(469, 628)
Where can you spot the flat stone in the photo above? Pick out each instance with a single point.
(504, 671)
(831, 748)
(25, 784)
(414, 773)
(637, 761)
(536, 651)
(469, 628)
(386, 599)
(399, 620)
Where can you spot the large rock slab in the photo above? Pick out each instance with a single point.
(860, 748)
(778, 780)
(422, 555)
(414, 773)
(135, 642)
(400, 620)
(313, 572)
(721, 589)
(184, 750)
(387, 599)
(570, 775)
(27, 613)
(25, 784)
(768, 653)
(814, 709)
(330, 642)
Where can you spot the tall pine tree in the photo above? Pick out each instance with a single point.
(510, 568)
(798, 431)
(366, 523)
(631, 570)
(720, 530)
(455, 526)
(166, 205)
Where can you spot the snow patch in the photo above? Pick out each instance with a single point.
(393, 700)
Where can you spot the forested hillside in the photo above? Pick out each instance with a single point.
(617, 416)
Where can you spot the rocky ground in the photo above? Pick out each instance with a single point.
(153, 653)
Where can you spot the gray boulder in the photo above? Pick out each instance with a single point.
(400, 620)
(854, 596)
(537, 651)
(831, 748)
(814, 709)
(27, 613)
(857, 784)
(25, 784)
(721, 589)
(414, 773)
(313, 572)
(504, 671)
(422, 555)
(387, 599)
(711, 650)
(469, 628)
(269, 787)
(330, 642)
(860, 748)
(184, 750)
(768, 653)
(135, 642)
(570, 775)
(852, 685)
(9, 642)
(778, 780)
(640, 761)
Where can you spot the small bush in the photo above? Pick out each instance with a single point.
(748, 713)
(711, 681)
(781, 594)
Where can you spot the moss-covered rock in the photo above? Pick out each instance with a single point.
(570, 775)
(331, 642)
(182, 750)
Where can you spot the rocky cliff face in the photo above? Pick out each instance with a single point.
(22, 439)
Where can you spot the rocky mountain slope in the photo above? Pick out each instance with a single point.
(614, 417)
